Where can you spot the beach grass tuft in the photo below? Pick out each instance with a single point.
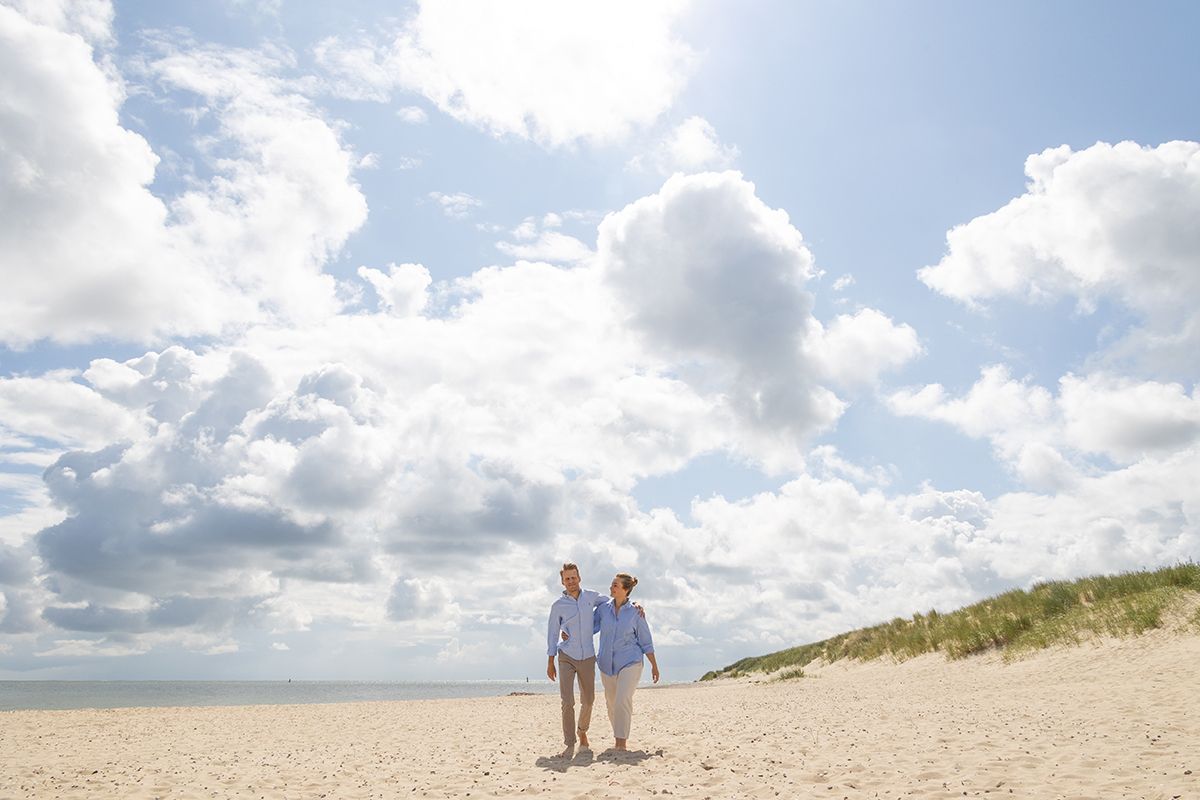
(1014, 623)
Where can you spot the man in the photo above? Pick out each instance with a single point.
(571, 617)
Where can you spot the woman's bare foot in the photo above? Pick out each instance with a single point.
(583, 741)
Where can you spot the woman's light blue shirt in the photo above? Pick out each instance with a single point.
(624, 637)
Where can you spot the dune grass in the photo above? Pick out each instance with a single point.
(1015, 622)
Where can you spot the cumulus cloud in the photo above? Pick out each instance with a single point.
(403, 290)
(417, 599)
(1051, 440)
(855, 349)
(712, 277)
(278, 210)
(1126, 419)
(93, 252)
(90, 19)
(840, 557)
(995, 403)
(552, 72)
(82, 236)
(352, 471)
(1017, 416)
(212, 520)
(199, 524)
(692, 146)
(1112, 222)
(1144, 514)
(57, 408)
(540, 240)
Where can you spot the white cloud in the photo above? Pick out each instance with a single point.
(714, 281)
(35, 511)
(552, 72)
(855, 349)
(299, 478)
(1019, 418)
(467, 434)
(1050, 440)
(403, 290)
(552, 246)
(82, 238)
(89, 648)
(833, 465)
(425, 601)
(57, 408)
(706, 268)
(457, 205)
(1145, 514)
(692, 146)
(91, 252)
(538, 240)
(1127, 420)
(90, 19)
(1111, 221)
(996, 403)
(276, 213)
(413, 115)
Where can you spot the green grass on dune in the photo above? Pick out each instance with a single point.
(1015, 622)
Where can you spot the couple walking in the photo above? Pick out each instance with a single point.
(575, 617)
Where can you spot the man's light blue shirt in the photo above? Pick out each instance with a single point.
(575, 617)
(624, 637)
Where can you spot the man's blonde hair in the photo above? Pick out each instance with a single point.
(567, 567)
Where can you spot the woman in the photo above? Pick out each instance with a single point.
(624, 639)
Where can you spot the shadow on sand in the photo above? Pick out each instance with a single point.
(585, 758)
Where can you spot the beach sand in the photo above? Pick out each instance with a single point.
(1109, 720)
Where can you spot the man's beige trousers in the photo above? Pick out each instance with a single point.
(568, 670)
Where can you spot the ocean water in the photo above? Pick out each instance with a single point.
(16, 695)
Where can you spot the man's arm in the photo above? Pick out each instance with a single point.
(553, 625)
(602, 599)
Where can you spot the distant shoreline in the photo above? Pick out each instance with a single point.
(65, 695)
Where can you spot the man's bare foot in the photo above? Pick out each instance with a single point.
(621, 745)
(567, 752)
(583, 741)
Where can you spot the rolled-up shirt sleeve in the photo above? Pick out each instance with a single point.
(645, 641)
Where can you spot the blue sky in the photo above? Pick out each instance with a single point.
(331, 332)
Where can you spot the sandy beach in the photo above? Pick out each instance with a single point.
(1109, 720)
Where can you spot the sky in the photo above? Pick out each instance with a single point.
(329, 331)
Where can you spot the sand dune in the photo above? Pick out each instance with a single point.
(1117, 719)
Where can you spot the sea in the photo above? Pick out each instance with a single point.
(59, 695)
